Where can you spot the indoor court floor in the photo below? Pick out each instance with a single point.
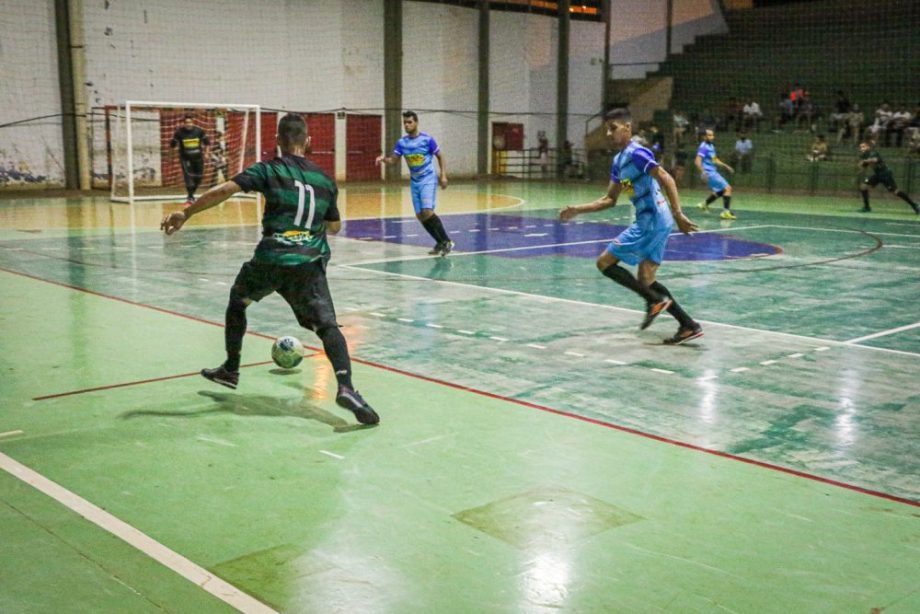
(536, 451)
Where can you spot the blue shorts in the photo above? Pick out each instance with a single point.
(424, 195)
(716, 181)
(635, 244)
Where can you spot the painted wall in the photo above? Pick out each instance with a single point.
(315, 56)
(32, 152)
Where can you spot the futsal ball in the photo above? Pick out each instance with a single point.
(287, 352)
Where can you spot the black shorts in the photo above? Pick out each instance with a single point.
(303, 286)
(193, 168)
(886, 179)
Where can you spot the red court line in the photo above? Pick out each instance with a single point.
(135, 383)
(559, 412)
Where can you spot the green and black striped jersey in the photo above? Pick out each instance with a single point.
(879, 168)
(299, 200)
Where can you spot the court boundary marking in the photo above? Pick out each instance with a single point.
(134, 537)
(559, 412)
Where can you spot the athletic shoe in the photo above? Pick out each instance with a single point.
(352, 401)
(653, 311)
(222, 376)
(866, 210)
(703, 206)
(446, 247)
(685, 334)
(436, 250)
(728, 215)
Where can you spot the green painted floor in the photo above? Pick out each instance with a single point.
(536, 452)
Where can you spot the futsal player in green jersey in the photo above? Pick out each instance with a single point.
(291, 258)
(881, 174)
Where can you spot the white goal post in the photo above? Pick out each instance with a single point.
(146, 167)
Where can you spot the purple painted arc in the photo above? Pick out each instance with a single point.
(536, 236)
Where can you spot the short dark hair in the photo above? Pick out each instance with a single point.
(292, 130)
(620, 114)
(412, 114)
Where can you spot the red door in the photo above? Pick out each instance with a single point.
(269, 135)
(321, 127)
(362, 142)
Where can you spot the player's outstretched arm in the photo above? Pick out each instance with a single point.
(216, 195)
(604, 202)
(382, 159)
(669, 186)
(442, 179)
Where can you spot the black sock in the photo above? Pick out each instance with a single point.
(435, 228)
(711, 198)
(627, 280)
(865, 195)
(682, 317)
(337, 352)
(439, 228)
(233, 333)
(727, 201)
(903, 196)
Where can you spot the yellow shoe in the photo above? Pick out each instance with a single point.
(728, 215)
(702, 206)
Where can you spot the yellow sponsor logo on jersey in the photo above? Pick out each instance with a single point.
(191, 143)
(295, 236)
(414, 160)
(627, 186)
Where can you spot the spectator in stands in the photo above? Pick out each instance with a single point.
(806, 112)
(543, 152)
(900, 120)
(841, 112)
(913, 143)
(680, 123)
(752, 116)
(820, 149)
(732, 114)
(880, 124)
(786, 111)
(855, 123)
(743, 156)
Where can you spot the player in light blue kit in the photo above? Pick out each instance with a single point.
(635, 172)
(706, 161)
(419, 149)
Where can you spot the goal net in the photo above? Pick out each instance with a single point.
(145, 145)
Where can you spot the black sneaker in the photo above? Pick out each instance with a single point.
(866, 210)
(685, 334)
(222, 376)
(436, 250)
(446, 247)
(653, 311)
(352, 401)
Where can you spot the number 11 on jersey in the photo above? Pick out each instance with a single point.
(302, 190)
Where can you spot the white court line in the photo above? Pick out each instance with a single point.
(544, 298)
(11, 433)
(884, 333)
(858, 232)
(665, 371)
(332, 454)
(536, 346)
(224, 591)
(739, 369)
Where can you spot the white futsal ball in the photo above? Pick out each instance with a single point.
(287, 352)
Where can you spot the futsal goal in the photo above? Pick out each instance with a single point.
(144, 165)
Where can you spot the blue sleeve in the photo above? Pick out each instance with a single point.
(614, 172)
(433, 146)
(643, 159)
(398, 149)
(701, 152)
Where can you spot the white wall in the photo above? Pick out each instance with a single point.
(29, 88)
(440, 72)
(638, 33)
(309, 55)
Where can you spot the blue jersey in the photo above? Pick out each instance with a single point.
(418, 152)
(707, 152)
(630, 169)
